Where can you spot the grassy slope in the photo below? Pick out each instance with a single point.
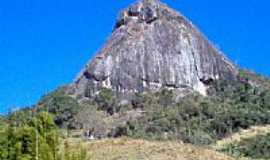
(132, 149)
(243, 134)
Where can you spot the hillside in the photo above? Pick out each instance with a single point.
(230, 116)
(232, 110)
(157, 89)
(134, 149)
(253, 143)
(243, 134)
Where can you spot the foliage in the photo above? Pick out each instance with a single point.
(20, 117)
(90, 117)
(106, 101)
(37, 137)
(3, 123)
(62, 106)
(257, 147)
(201, 120)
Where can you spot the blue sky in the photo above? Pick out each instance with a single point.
(44, 43)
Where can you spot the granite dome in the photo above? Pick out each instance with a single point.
(152, 47)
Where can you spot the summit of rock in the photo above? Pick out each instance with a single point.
(152, 47)
(143, 11)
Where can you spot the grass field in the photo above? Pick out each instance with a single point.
(251, 143)
(243, 134)
(133, 149)
(138, 149)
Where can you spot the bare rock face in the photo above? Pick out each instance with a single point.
(153, 47)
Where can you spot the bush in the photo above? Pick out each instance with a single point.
(257, 147)
(62, 106)
(201, 120)
(35, 138)
(106, 101)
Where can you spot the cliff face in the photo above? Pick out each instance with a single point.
(152, 46)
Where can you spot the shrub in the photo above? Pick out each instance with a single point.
(201, 120)
(34, 138)
(62, 106)
(106, 101)
(257, 147)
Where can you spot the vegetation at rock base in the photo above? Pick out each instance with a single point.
(195, 119)
(163, 115)
(106, 101)
(201, 120)
(62, 106)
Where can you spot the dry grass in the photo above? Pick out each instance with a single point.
(131, 149)
(243, 134)
(134, 149)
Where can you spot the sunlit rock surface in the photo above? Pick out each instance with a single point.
(153, 46)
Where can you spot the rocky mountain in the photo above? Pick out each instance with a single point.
(152, 47)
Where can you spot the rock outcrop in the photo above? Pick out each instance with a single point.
(152, 47)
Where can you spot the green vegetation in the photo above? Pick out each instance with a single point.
(106, 101)
(201, 120)
(35, 138)
(257, 147)
(20, 117)
(162, 115)
(195, 119)
(3, 123)
(62, 106)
